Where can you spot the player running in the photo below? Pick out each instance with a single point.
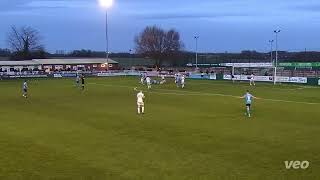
(78, 80)
(142, 80)
(252, 80)
(248, 100)
(140, 103)
(25, 89)
(148, 79)
(82, 82)
(182, 81)
(233, 78)
(163, 79)
(177, 79)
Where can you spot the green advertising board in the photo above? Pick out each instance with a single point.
(299, 64)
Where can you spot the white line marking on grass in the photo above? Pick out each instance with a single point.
(298, 102)
(246, 85)
(194, 93)
(226, 95)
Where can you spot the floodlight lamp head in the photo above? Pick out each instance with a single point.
(106, 3)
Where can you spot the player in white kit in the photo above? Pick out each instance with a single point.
(140, 103)
(25, 89)
(148, 79)
(163, 79)
(78, 80)
(178, 79)
(182, 81)
(252, 80)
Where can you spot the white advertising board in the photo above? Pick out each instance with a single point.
(213, 77)
(57, 75)
(248, 65)
(301, 80)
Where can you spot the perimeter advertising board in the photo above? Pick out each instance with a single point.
(300, 80)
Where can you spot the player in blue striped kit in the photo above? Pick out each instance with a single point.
(248, 100)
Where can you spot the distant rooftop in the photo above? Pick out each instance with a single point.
(75, 61)
(18, 63)
(57, 62)
(4, 58)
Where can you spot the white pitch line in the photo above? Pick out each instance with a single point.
(226, 95)
(189, 93)
(242, 84)
(298, 102)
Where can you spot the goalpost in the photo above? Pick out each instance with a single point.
(243, 71)
(263, 72)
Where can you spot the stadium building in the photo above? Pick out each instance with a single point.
(49, 65)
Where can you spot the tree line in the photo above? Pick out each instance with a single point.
(163, 46)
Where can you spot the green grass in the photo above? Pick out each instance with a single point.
(200, 132)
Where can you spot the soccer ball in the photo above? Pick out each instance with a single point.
(135, 89)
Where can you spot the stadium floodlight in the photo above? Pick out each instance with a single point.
(276, 63)
(196, 38)
(106, 4)
(131, 57)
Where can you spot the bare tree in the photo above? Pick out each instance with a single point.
(158, 44)
(24, 41)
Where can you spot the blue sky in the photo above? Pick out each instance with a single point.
(223, 25)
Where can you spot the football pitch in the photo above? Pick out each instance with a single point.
(200, 132)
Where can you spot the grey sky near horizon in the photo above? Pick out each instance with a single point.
(223, 25)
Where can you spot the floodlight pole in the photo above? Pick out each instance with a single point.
(196, 38)
(232, 69)
(107, 40)
(276, 63)
(131, 56)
